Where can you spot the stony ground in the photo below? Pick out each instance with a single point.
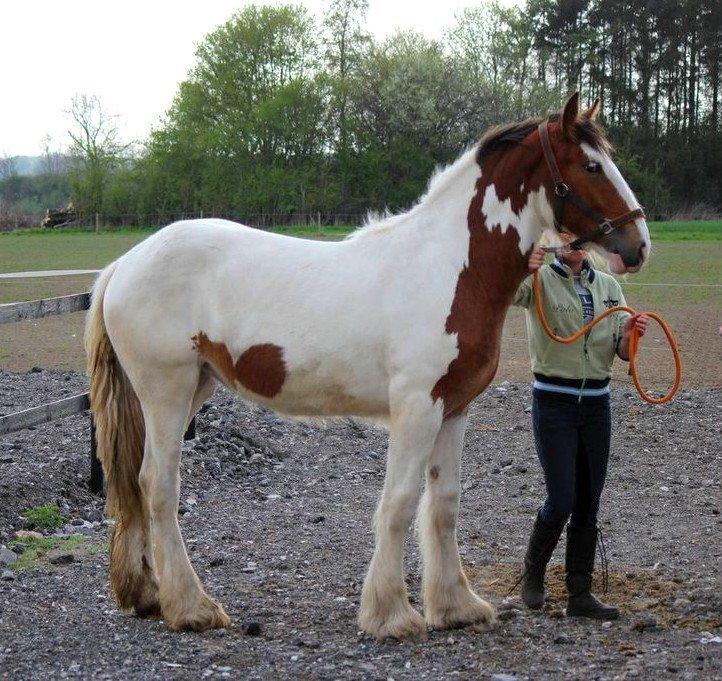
(276, 516)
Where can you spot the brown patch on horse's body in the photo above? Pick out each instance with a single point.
(260, 368)
(486, 286)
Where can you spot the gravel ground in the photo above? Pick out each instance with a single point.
(277, 518)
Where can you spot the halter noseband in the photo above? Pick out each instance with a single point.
(562, 193)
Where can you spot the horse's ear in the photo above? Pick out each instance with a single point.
(569, 117)
(592, 112)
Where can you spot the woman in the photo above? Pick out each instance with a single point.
(571, 417)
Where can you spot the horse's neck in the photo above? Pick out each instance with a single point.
(505, 219)
(483, 219)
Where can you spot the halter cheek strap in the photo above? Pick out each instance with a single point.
(563, 193)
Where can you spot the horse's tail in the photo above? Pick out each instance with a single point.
(120, 432)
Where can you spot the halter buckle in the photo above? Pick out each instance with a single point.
(561, 189)
(606, 227)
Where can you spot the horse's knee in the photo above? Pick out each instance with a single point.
(396, 512)
(443, 511)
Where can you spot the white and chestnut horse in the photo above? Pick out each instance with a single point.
(401, 323)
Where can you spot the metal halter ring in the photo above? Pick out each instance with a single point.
(561, 189)
(606, 227)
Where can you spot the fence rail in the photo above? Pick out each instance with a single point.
(45, 307)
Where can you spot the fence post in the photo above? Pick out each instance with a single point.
(95, 483)
(97, 222)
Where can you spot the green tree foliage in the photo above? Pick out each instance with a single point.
(283, 115)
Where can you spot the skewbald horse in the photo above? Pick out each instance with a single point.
(401, 322)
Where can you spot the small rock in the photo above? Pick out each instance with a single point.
(561, 639)
(36, 370)
(28, 534)
(7, 557)
(708, 638)
(318, 519)
(503, 677)
(510, 614)
(681, 603)
(62, 559)
(7, 576)
(645, 623)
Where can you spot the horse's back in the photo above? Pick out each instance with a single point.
(216, 290)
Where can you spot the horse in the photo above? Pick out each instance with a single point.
(399, 323)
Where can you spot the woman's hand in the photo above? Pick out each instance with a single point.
(638, 321)
(536, 259)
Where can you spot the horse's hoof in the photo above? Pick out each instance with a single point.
(206, 614)
(148, 610)
(402, 622)
(461, 609)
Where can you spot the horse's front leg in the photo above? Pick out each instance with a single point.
(448, 599)
(385, 610)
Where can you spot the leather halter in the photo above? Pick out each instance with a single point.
(563, 193)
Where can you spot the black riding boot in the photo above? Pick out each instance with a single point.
(544, 537)
(581, 545)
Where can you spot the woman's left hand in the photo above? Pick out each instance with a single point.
(639, 321)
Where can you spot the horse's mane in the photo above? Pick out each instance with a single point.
(494, 140)
(500, 137)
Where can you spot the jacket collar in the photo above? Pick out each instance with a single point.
(565, 271)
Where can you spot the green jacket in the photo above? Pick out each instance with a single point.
(590, 357)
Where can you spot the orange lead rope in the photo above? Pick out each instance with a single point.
(633, 342)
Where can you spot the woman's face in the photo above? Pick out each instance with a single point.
(572, 258)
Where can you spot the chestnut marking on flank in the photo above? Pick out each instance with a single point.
(260, 368)
(434, 472)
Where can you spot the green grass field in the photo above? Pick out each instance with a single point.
(707, 230)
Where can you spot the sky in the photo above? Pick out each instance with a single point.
(132, 55)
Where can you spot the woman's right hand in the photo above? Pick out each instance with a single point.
(536, 259)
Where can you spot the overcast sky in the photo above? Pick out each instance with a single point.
(132, 54)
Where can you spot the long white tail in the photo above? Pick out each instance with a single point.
(120, 433)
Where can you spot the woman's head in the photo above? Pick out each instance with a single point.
(570, 257)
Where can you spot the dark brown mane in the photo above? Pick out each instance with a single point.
(500, 137)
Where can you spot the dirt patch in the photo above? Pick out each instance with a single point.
(632, 590)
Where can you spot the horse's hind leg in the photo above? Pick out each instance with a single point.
(132, 569)
(448, 598)
(167, 401)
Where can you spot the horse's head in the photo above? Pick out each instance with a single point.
(588, 195)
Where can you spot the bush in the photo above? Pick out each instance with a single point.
(46, 517)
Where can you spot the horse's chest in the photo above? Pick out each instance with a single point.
(471, 372)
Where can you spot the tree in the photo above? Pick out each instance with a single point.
(7, 167)
(96, 148)
(247, 131)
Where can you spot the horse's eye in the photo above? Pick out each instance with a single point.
(593, 167)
